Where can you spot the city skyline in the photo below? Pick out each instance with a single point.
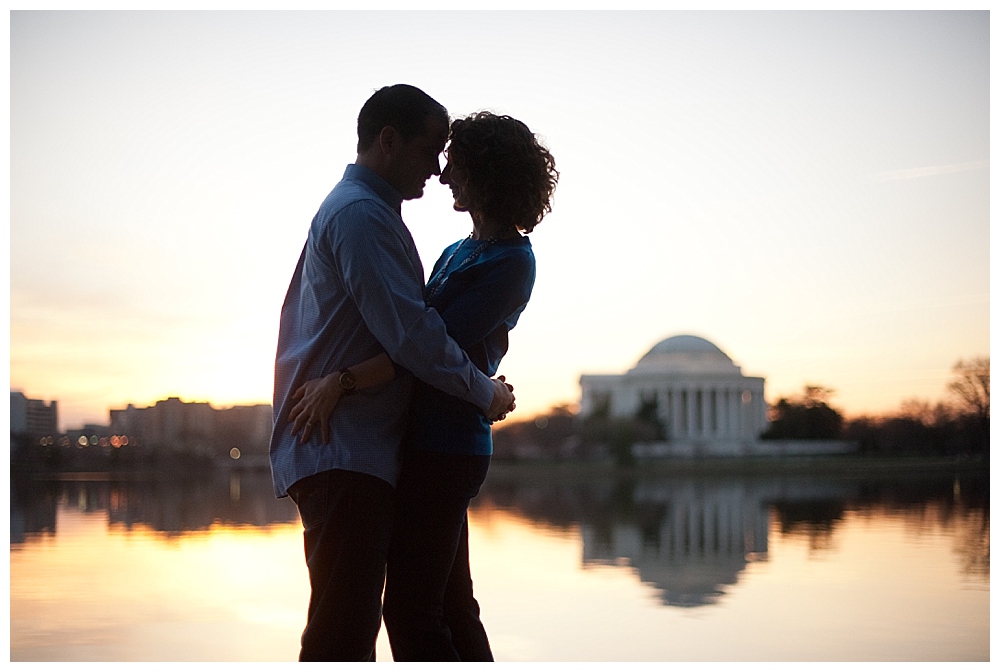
(47, 410)
(807, 190)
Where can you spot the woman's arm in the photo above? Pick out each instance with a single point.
(318, 397)
(500, 291)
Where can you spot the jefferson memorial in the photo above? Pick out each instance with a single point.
(702, 399)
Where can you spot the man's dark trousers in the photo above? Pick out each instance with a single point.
(347, 518)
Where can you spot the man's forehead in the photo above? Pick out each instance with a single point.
(438, 128)
(435, 132)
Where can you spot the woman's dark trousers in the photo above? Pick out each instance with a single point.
(430, 611)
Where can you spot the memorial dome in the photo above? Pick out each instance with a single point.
(685, 354)
(700, 396)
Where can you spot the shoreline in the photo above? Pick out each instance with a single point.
(829, 465)
(840, 465)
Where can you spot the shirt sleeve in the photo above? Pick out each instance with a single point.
(499, 291)
(381, 273)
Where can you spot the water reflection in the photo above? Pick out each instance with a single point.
(692, 537)
(170, 507)
(570, 565)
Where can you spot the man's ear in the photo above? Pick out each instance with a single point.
(388, 140)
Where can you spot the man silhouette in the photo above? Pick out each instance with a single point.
(357, 290)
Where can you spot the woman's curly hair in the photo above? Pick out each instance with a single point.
(511, 176)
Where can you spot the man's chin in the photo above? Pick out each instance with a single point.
(413, 195)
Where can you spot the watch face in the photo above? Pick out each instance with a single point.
(347, 380)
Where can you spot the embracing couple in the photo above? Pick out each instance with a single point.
(384, 391)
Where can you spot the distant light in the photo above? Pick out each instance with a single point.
(124, 440)
(103, 443)
(93, 440)
(234, 453)
(82, 441)
(747, 396)
(115, 441)
(541, 422)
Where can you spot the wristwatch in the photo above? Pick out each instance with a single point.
(348, 383)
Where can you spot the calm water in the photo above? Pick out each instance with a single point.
(567, 568)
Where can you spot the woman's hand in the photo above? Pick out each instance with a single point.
(503, 414)
(316, 400)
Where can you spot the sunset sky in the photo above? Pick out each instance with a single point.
(807, 190)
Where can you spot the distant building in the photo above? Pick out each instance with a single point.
(168, 423)
(172, 425)
(701, 398)
(32, 417)
(698, 391)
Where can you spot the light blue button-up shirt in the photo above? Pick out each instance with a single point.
(357, 291)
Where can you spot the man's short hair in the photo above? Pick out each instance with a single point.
(404, 107)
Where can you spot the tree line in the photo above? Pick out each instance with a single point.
(960, 425)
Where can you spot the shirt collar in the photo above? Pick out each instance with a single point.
(382, 189)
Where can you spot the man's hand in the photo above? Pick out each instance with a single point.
(503, 399)
(316, 400)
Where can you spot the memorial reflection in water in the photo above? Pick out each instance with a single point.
(692, 537)
(703, 539)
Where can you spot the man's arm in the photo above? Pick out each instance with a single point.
(381, 273)
(315, 399)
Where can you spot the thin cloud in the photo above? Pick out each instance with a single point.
(928, 171)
